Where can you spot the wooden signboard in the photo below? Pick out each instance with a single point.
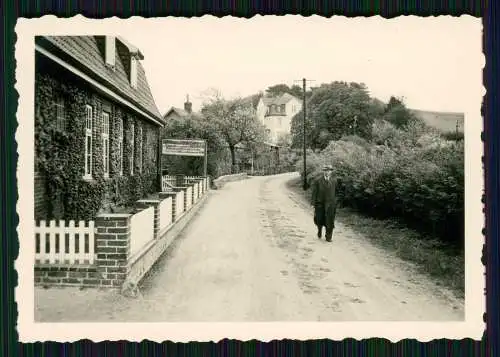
(185, 147)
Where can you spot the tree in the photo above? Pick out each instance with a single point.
(194, 127)
(284, 140)
(335, 110)
(397, 114)
(236, 123)
(279, 89)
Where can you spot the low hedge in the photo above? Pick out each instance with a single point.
(424, 186)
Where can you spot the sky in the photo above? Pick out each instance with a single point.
(434, 63)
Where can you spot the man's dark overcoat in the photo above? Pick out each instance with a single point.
(324, 200)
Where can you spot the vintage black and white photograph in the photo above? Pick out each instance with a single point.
(276, 169)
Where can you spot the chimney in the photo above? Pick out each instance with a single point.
(188, 106)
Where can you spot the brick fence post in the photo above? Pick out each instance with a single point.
(172, 195)
(143, 204)
(112, 248)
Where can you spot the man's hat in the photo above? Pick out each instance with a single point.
(327, 167)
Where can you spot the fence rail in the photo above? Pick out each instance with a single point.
(65, 242)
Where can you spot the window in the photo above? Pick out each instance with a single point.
(88, 141)
(110, 51)
(105, 143)
(120, 146)
(139, 148)
(60, 114)
(131, 158)
(133, 72)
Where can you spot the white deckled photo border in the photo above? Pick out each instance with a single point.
(31, 331)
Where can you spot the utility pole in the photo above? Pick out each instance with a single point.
(304, 82)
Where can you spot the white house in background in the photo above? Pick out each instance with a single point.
(276, 114)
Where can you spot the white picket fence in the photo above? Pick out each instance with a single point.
(190, 179)
(167, 182)
(65, 243)
(141, 229)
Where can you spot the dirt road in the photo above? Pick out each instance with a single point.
(251, 254)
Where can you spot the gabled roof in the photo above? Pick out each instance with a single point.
(180, 112)
(87, 54)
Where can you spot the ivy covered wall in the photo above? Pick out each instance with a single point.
(60, 154)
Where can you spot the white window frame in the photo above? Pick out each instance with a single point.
(59, 103)
(133, 71)
(139, 149)
(89, 111)
(105, 143)
(120, 145)
(110, 49)
(132, 153)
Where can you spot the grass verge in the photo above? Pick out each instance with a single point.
(445, 264)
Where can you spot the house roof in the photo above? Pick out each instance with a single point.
(282, 99)
(87, 53)
(180, 112)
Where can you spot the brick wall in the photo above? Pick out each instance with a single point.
(65, 275)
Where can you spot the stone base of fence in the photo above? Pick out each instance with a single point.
(67, 275)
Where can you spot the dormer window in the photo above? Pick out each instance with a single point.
(110, 51)
(133, 71)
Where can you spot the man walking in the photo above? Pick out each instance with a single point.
(324, 200)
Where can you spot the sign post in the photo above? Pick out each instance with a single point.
(186, 147)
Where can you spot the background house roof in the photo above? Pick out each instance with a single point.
(181, 112)
(282, 99)
(88, 52)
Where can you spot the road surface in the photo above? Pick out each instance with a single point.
(251, 254)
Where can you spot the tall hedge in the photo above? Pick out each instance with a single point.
(422, 185)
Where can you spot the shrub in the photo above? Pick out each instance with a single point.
(421, 184)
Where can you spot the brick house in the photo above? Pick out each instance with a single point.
(96, 127)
